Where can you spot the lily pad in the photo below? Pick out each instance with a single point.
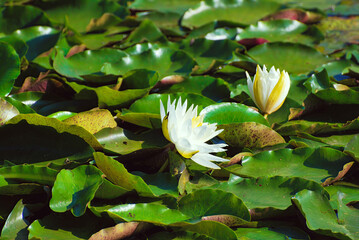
(242, 12)
(312, 164)
(10, 69)
(291, 57)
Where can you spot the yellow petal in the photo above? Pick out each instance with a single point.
(165, 128)
(274, 97)
(257, 89)
(187, 154)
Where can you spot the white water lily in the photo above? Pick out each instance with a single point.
(268, 89)
(187, 131)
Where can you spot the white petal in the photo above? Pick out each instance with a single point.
(201, 159)
(162, 111)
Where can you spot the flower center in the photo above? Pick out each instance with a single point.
(197, 121)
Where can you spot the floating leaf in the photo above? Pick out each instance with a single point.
(74, 189)
(10, 69)
(16, 223)
(268, 192)
(209, 202)
(312, 164)
(93, 121)
(242, 12)
(227, 113)
(293, 58)
(321, 217)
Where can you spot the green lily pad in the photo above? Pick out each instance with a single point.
(207, 202)
(74, 66)
(291, 57)
(123, 142)
(10, 69)
(312, 164)
(281, 30)
(322, 218)
(213, 88)
(77, 14)
(58, 126)
(352, 147)
(295, 126)
(16, 224)
(38, 38)
(25, 16)
(351, 194)
(209, 53)
(178, 6)
(166, 61)
(227, 113)
(268, 192)
(74, 189)
(243, 12)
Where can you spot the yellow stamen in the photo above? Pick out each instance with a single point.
(197, 121)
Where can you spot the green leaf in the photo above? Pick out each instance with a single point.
(249, 134)
(293, 127)
(282, 30)
(29, 173)
(207, 202)
(208, 53)
(57, 125)
(147, 212)
(7, 111)
(146, 31)
(41, 143)
(293, 58)
(268, 192)
(259, 233)
(213, 88)
(320, 4)
(38, 38)
(16, 17)
(179, 6)
(16, 224)
(322, 218)
(242, 12)
(19, 45)
(118, 174)
(166, 61)
(212, 229)
(74, 66)
(352, 147)
(108, 190)
(227, 113)
(123, 142)
(78, 13)
(351, 194)
(9, 69)
(66, 226)
(74, 189)
(311, 164)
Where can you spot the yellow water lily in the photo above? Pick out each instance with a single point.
(187, 131)
(268, 89)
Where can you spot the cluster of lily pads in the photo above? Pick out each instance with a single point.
(89, 148)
